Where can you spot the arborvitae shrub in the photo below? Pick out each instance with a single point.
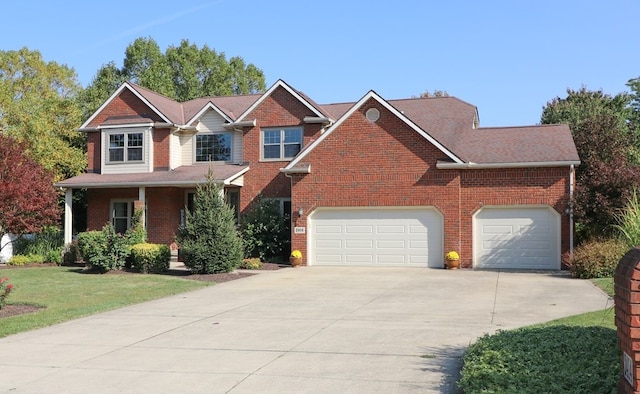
(209, 242)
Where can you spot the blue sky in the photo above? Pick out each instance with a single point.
(509, 58)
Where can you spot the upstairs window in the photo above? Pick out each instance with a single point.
(281, 144)
(213, 147)
(125, 147)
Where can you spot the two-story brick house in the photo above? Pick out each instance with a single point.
(373, 182)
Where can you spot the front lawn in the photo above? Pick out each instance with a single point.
(66, 293)
(576, 354)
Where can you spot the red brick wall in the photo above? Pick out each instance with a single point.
(163, 209)
(386, 163)
(126, 104)
(161, 149)
(99, 205)
(627, 313)
(94, 144)
(280, 109)
(163, 213)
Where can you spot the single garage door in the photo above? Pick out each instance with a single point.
(383, 237)
(517, 238)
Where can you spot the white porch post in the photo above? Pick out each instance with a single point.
(68, 216)
(142, 198)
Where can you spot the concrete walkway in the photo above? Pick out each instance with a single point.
(304, 330)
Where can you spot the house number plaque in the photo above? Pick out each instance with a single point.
(628, 368)
(299, 230)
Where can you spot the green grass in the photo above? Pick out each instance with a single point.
(575, 354)
(67, 294)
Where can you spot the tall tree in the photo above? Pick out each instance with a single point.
(38, 107)
(183, 72)
(607, 144)
(209, 241)
(28, 200)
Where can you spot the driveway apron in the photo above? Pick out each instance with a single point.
(302, 330)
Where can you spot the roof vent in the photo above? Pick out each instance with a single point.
(372, 114)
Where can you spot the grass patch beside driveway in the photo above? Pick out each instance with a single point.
(574, 354)
(65, 293)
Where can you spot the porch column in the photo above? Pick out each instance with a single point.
(143, 204)
(68, 216)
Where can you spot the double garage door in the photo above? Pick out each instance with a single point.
(507, 238)
(382, 237)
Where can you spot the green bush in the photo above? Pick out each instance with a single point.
(252, 263)
(265, 232)
(556, 359)
(209, 242)
(150, 257)
(596, 258)
(48, 243)
(20, 259)
(104, 250)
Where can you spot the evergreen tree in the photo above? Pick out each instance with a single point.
(209, 241)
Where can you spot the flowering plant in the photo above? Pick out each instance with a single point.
(296, 254)
(453, 255)
(5, 289)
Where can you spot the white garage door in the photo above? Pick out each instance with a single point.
(517, 238)
(384, 237)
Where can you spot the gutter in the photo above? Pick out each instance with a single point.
(471, 165)
(300, 169)
(159, 125)
(238, 126)
(317, 119)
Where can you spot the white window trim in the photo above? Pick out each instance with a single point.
(282, 142)
(106, 149)
(195, 147)
(130, 202)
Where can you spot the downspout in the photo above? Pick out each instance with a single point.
(571, 181)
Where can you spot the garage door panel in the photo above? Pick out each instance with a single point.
(517, 238)
(391, 244)
(329, 229)
(386, 237)
(350, 229)
(354, 258)
(358, 244)
(390, 229)
(328, 243)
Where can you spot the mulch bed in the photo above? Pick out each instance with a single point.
(20, 309)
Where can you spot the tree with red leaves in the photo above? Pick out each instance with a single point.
(28, 200)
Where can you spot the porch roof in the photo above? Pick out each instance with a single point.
(184, 176)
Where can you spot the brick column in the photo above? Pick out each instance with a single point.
(627, 308)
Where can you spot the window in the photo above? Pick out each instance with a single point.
(279, 144)
(125, 147)
(121, 214)
(213, 147)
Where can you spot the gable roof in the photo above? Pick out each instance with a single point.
(151, 99)
(371, 95)
(281, 84)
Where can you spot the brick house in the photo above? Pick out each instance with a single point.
(375, 182)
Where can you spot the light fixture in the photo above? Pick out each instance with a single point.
(300, 211)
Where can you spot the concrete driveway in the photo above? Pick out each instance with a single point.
(304, 330)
